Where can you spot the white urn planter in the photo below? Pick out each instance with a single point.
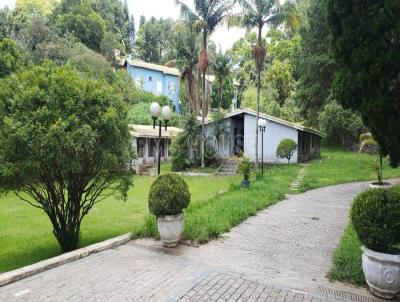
(170, 229)
(382, 273)
(384, 185)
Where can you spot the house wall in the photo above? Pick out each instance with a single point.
(157, 82)
(273, 135)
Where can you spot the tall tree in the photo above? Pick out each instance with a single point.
(130, 33)
(257, 14)
(153, 40)
(207, 16)
(314, 65)
(186, 45)
(63, 156)
(366, 47)
(222, 68)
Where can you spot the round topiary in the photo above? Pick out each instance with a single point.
(375, 215)
(169, 195)
(286, 149)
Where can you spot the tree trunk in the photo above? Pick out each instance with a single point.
(203, 111)
(258, 95)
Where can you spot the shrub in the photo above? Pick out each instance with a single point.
(245, 168)
(179, 154)
(375, 215)
(169, 195)
(286, 149)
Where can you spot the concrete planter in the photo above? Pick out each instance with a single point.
(170, 229)
(382, 272)
(384, 185)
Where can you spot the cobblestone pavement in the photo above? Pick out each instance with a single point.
(282, 254)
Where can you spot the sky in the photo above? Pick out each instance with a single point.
(223, 36)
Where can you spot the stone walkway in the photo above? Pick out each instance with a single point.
(282, 254)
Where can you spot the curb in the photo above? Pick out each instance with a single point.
(30, 270)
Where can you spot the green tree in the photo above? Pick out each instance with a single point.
(222, 66)
(228, 93)
(92, 64)
(257, 14)
(365, 45)
(341, 126)
(65, 145)
(35, 31)
(185, 43)
(280, 76)
(153, 40)
(207, 15)
(286, 149)
(41, 7)
(85, 24)
(108, 44)
(5, 22)
(9, 55)
(314, 65)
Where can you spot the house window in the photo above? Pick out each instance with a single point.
(141, 142)
(140, 82)
(172, 88)
(159, 86)
(150, 79)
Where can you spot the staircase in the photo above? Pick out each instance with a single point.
(146, 170)
(228, 167)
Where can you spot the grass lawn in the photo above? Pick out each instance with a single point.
(207, 220)
(26, 233)
(346, 262)
(337, 166)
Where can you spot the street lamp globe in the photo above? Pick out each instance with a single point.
(155, 110)
(166, 113)
(262, 122)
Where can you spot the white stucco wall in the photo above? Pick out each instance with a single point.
(273, 135)
(224, 141)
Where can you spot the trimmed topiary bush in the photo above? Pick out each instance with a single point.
(375, 215)
(286, 149)
(169, 195)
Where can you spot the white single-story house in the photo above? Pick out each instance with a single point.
(240, 134)
(144, 142)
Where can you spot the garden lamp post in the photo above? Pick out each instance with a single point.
(262, 124)
(155, 112)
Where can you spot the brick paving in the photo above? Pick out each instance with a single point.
(282, 255)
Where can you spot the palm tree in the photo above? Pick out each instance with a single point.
(222, 67)
(187, 50)
(207, 15)
(257, 14)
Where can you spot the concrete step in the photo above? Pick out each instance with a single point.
(225, 173)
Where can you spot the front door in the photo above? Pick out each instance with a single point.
(238, 141)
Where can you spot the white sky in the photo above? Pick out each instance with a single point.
(167, 8)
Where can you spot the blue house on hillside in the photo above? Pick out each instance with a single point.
(158, 79)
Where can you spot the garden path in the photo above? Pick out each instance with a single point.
(282, 254)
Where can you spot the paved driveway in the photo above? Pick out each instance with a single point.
(282, 254)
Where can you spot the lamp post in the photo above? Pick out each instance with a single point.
(155, 112)
(262, 124)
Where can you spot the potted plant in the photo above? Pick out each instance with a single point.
(245, 169)
(375, 215)
(169, 195)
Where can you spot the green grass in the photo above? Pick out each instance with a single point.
(26, 233)
(337, 167)
(346, 263)
(207, 220)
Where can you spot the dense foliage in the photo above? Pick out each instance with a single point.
(286, 149)
(169, 195)
(65, 145)
(375, 215)
(9, 54)
(245, 168)
(366, 47)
